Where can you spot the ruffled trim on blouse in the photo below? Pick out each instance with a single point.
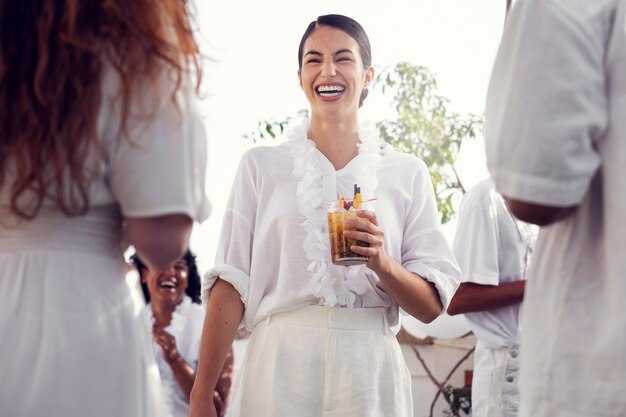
(333, 290)
(236, 277)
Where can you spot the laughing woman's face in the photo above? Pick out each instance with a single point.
(332, 74)
(167, 287)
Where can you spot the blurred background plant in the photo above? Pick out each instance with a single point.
(459, 400)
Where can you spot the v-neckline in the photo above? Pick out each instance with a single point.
(329, 165)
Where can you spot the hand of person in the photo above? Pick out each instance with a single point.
(368, 230)
(168, 343)
(218, 402)
(202, 410)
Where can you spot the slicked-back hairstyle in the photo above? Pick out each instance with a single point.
(346, 24)
(352, 28)
(52, 55)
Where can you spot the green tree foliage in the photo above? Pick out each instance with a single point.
(424, 126)
(273, 128)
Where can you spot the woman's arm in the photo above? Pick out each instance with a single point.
(541, 215)
(183, 372)
(222, 388)
(413, 293)
(160, 240)
(223, 315)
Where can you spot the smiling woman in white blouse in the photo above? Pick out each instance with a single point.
(322, 338)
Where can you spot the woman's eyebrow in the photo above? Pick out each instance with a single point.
(344, 50)
(341, 51)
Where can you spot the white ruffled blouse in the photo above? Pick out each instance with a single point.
(274, 245)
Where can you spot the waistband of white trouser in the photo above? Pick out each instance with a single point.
(334, 318)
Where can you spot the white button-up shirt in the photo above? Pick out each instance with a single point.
(261, 245)
(556, 135)
(492, 249)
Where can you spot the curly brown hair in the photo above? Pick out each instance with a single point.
(52, 54)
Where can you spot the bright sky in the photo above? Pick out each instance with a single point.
(254, 74)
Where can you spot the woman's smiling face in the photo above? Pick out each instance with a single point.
(332, 74)
(167, 287)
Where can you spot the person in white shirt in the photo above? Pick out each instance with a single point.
(556, 148)
(322, 338)
(175, 315)
(493, 250)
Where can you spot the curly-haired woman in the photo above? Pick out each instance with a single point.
(101, 144)
(175, 313)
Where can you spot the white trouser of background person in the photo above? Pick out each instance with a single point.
(494, 383)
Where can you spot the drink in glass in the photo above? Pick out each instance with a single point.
(341, 254)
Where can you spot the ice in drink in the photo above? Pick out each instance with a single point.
(341, 253)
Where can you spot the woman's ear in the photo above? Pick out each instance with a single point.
(369, 77)
(300, 78)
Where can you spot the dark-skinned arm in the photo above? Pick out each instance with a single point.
(471, 297)
(183, 372)
(185, 375)
(222, 388)
(537, 214)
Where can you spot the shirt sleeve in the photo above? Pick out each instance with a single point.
(546, 104)
(475, 244)
(425, 250)
(234, 252)
(160, 168)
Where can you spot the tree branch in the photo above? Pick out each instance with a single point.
(440, 385)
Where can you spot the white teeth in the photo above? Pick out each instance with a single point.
(168, 284)
(332, 89)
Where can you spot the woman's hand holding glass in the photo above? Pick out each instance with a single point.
(368, 230)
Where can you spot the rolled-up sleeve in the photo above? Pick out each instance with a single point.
(425, 250)
(236, 277)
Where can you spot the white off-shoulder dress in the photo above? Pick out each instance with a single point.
(72, 343)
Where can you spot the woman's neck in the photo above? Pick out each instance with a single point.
(335, 139)
(162, 314)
